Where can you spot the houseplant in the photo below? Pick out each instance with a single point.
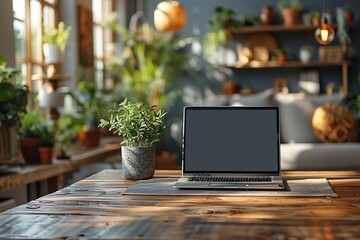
(29, 133)
(315, 18)
(47, 133)
(306, 53)
(290, 10)
(54, 42)
(140, 126)
(13, 101)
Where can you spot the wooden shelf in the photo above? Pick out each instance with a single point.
(287, 64)
(273, 28)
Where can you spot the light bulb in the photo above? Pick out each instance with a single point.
(324, 34)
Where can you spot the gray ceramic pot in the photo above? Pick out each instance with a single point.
(138, 162)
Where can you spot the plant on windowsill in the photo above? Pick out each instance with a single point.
(290, 10)
(47, 141)
(140, 127)
(54, 42)
(13, 101)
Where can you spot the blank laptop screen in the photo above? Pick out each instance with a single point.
(231, 139)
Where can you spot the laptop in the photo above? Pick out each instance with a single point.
(230, 148)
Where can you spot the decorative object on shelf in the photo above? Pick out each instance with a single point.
(140, 126)
(54, 42)
(306, 19)
(290, 10)
(334, 123)
(13, 101)
(263, 40)
(309, 82)
(315, 18)
(306, 53)
(348, 15)
(330, 54)
(324, 34)
(231, 87)
(343, 29)
(267, 15)
(169, 16)
(330, 88)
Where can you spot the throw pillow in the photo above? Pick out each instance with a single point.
(333, 123)
(263, 98)
(296, 111)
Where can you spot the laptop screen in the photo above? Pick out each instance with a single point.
(231, 140)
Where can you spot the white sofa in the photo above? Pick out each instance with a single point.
(300, 149)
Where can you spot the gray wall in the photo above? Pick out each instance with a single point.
(7, 43)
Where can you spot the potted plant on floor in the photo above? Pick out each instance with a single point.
(140, 126)
(290, 10)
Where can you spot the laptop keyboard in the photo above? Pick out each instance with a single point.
(230, 179)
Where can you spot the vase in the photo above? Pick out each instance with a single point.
(138, 162)
(267, 15)
(305, 55)
(52, 53)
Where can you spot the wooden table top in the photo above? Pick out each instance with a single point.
(95, 208)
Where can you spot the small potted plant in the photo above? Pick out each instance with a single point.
(315, 18)
(47, 142)
(290, 10)
(29, 133)
(306, 53)
(54, 42)
(140, 127)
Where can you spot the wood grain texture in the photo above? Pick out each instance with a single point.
(95, 208)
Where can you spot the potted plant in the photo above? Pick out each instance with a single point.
(315, 18)
(13, 101)
(47, 141)
(29, 133)
(140, 127)
(290, 10)
(306, 53)
(348, 15)
(54, 42)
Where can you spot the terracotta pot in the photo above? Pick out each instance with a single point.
(89, 139)
(231, 87)
(349, 17)
(291, 16)
(316, 22)
(46, 155)
(29, 148)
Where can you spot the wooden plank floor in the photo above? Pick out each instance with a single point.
(95, 208)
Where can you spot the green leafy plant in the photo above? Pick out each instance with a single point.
(31, 124)
(138, 123)
(342, 31)
(13, 96)
(314, 14)
(58, 36)
(219, 24)
(149, 64)
(47, 133)
(293, 4)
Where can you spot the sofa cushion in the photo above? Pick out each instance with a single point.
(264, 98)
(296, 111)
(320, 156)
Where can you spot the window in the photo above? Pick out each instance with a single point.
(29, 18)
(103, 41)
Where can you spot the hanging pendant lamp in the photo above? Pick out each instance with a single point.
(169, 16)
(324, 34)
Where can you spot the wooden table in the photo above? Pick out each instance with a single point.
(95, 208)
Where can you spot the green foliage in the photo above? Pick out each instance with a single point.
(13, 97)
(47, 134)
(138, 123)
(149, 64)
(216, 37)
(293, 4)
(31, 124)
(58, 36)
(314, 14)
(342, 30)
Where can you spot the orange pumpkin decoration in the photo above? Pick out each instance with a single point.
(169, 16)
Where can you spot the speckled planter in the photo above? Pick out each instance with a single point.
(138, 162)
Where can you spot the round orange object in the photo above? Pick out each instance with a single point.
(169, 16)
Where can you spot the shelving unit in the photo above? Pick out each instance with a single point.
(248, 30)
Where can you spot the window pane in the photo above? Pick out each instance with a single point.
(36, 31)
(20, 38)
(98, 42)
(97, 11)
(49, 17)
(99, 74)
(19, 9)
(22, 68)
